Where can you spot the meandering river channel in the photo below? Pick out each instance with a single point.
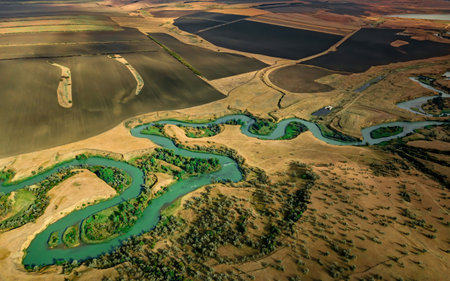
(38, 252)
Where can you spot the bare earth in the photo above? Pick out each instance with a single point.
(64, 91)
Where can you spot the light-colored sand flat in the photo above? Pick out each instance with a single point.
(134, 72)
(164, 180)
(64, 90)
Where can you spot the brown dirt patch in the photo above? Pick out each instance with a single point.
(301, 78)
(308, 22)
(436, 144)
(399, 43)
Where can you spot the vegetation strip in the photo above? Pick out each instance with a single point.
(176, 56)
(136, 75)
(386, 132)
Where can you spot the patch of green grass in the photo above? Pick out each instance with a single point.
(386, 132)
(23, 199)
(156, 130)
(293, 129)
(172, 208)
(53, 241)
(71, 237)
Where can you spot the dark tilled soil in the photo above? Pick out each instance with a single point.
(103, 96)
(300, 79)
(270, 40)
(212, 65)
(371, 47)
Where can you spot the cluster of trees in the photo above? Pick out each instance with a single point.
(220, 220)
(6, 175)
(414, 156)
(201, 132)
(235, 122)
(189, 166)
(5, 204)
(262, 127)
(218, 223)
(53, 241)
(293, 129)
(426, 80)
(155, 129)
(115, 220)
(41, 202)
(439, 102)
(114, 177)
(386, 132)
(71, 236)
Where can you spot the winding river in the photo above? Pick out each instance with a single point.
(415, 105)
(38, 252)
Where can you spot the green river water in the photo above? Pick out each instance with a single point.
(38, 253)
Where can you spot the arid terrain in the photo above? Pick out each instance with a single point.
(99, 181)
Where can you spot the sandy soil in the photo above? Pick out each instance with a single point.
(227, 84)
(307, 22)
(399, 43)
(83, 188)
(439, 145)
(164, 180)
(64, 91)
(136, 75)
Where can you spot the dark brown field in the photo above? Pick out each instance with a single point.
(103, 96)
(58, 44)
(212, 65)
(172, 13)
(301, 79)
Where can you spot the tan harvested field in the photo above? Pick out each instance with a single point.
(439, 145)
(83, 188)
(308, 22)
(227, 84)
